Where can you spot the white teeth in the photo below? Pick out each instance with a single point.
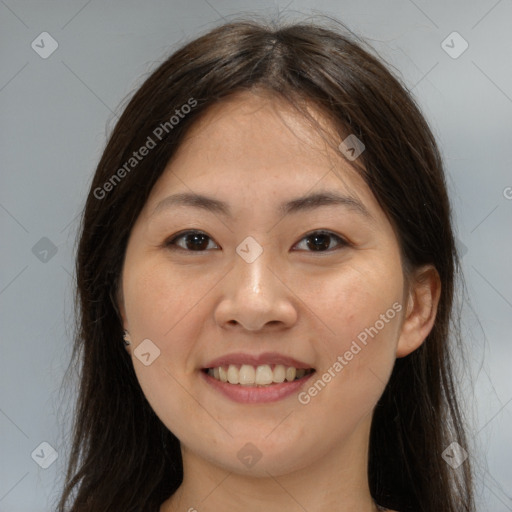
(223, 374)
(263, 375)
(233, 374)
(246, 374)
(279, 373)
(290, 373)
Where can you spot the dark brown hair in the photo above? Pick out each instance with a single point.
(123, 457)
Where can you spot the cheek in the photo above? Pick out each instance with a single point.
(160, 306)
(160, 300)
(360, 308)
(359, 312)
(350, 300)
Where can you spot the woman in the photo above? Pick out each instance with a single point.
(265, 279)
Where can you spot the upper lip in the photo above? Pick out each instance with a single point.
(240, 358)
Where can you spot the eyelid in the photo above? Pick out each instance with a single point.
(342, 241)
(168, 243)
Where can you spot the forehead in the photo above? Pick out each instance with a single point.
(255, 147)
(254, 130)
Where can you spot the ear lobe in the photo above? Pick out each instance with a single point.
(421, 311)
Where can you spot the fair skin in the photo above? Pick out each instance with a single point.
(254, 153)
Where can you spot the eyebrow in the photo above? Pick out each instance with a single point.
(301, 204)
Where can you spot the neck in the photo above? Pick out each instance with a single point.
(334, 481)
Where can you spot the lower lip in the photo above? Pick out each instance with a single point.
(255, 394)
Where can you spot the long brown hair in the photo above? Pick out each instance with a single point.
(123, 457)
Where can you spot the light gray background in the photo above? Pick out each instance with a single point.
(54, 117)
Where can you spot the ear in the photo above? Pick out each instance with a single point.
(422, 302)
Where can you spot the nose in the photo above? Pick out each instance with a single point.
(256, 296)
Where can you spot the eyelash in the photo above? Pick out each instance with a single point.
(171, 245)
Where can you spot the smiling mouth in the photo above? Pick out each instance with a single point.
(259, 376)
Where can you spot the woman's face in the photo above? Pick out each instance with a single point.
(259, 288)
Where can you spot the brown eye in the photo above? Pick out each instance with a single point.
(320, 241)
(195, 241)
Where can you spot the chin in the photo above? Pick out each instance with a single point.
(259, 457)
